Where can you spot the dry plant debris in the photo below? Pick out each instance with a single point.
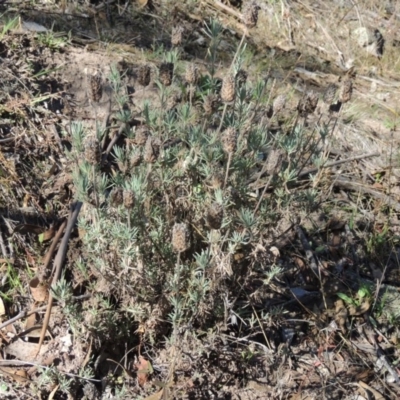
(237, 237)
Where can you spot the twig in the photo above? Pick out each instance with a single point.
(262, 194)
(24, 314)
(257, 176)
(224, 7)
(359, 187)
(113, 141)
(58, 262)
(50, 251)
(334, 163)
(4, 363)
(3, 247)
(21, 315)
(7, 139)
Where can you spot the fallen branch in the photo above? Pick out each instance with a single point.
(360, 187)
(49, 254)
(58, 262)
(338, 162)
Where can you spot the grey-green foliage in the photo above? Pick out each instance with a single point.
(131, 248)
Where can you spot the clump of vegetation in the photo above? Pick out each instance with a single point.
(180, 214)
(215, 243)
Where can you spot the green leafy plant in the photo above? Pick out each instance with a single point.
(363, 293)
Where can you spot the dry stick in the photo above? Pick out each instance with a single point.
(24, 314)
(50, 252)
(262, 194)
(359, 187)
(327, 165)
(227, 168)
(222, 118)
(113, 141)
(224, 7)
(3, 247)
(21, 315)
(58, 262)
(4, 363)
(334, 163)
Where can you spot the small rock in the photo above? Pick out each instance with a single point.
(371, 40)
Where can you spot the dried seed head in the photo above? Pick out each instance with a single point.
(180, 237)
(129, 199)
(269, 111)
(177, 35)
(250, 14)
(228, 89)
(216, 180)
(142, 132)
(191, 74)
(229, 140)
(151, 150)
(96, 88)
(116, 196)
(215, 215)
(135, 159)
(123, 166)
(308, 103)
(247, 126)
(210, 104)
(241, 77)
(330, 94)
(144, 75)
(279, 104)
(173, 100)
(92, 150)
(346, 90)
(166, 73)
(274, 161)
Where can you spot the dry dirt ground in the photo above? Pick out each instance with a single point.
(312, 343)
